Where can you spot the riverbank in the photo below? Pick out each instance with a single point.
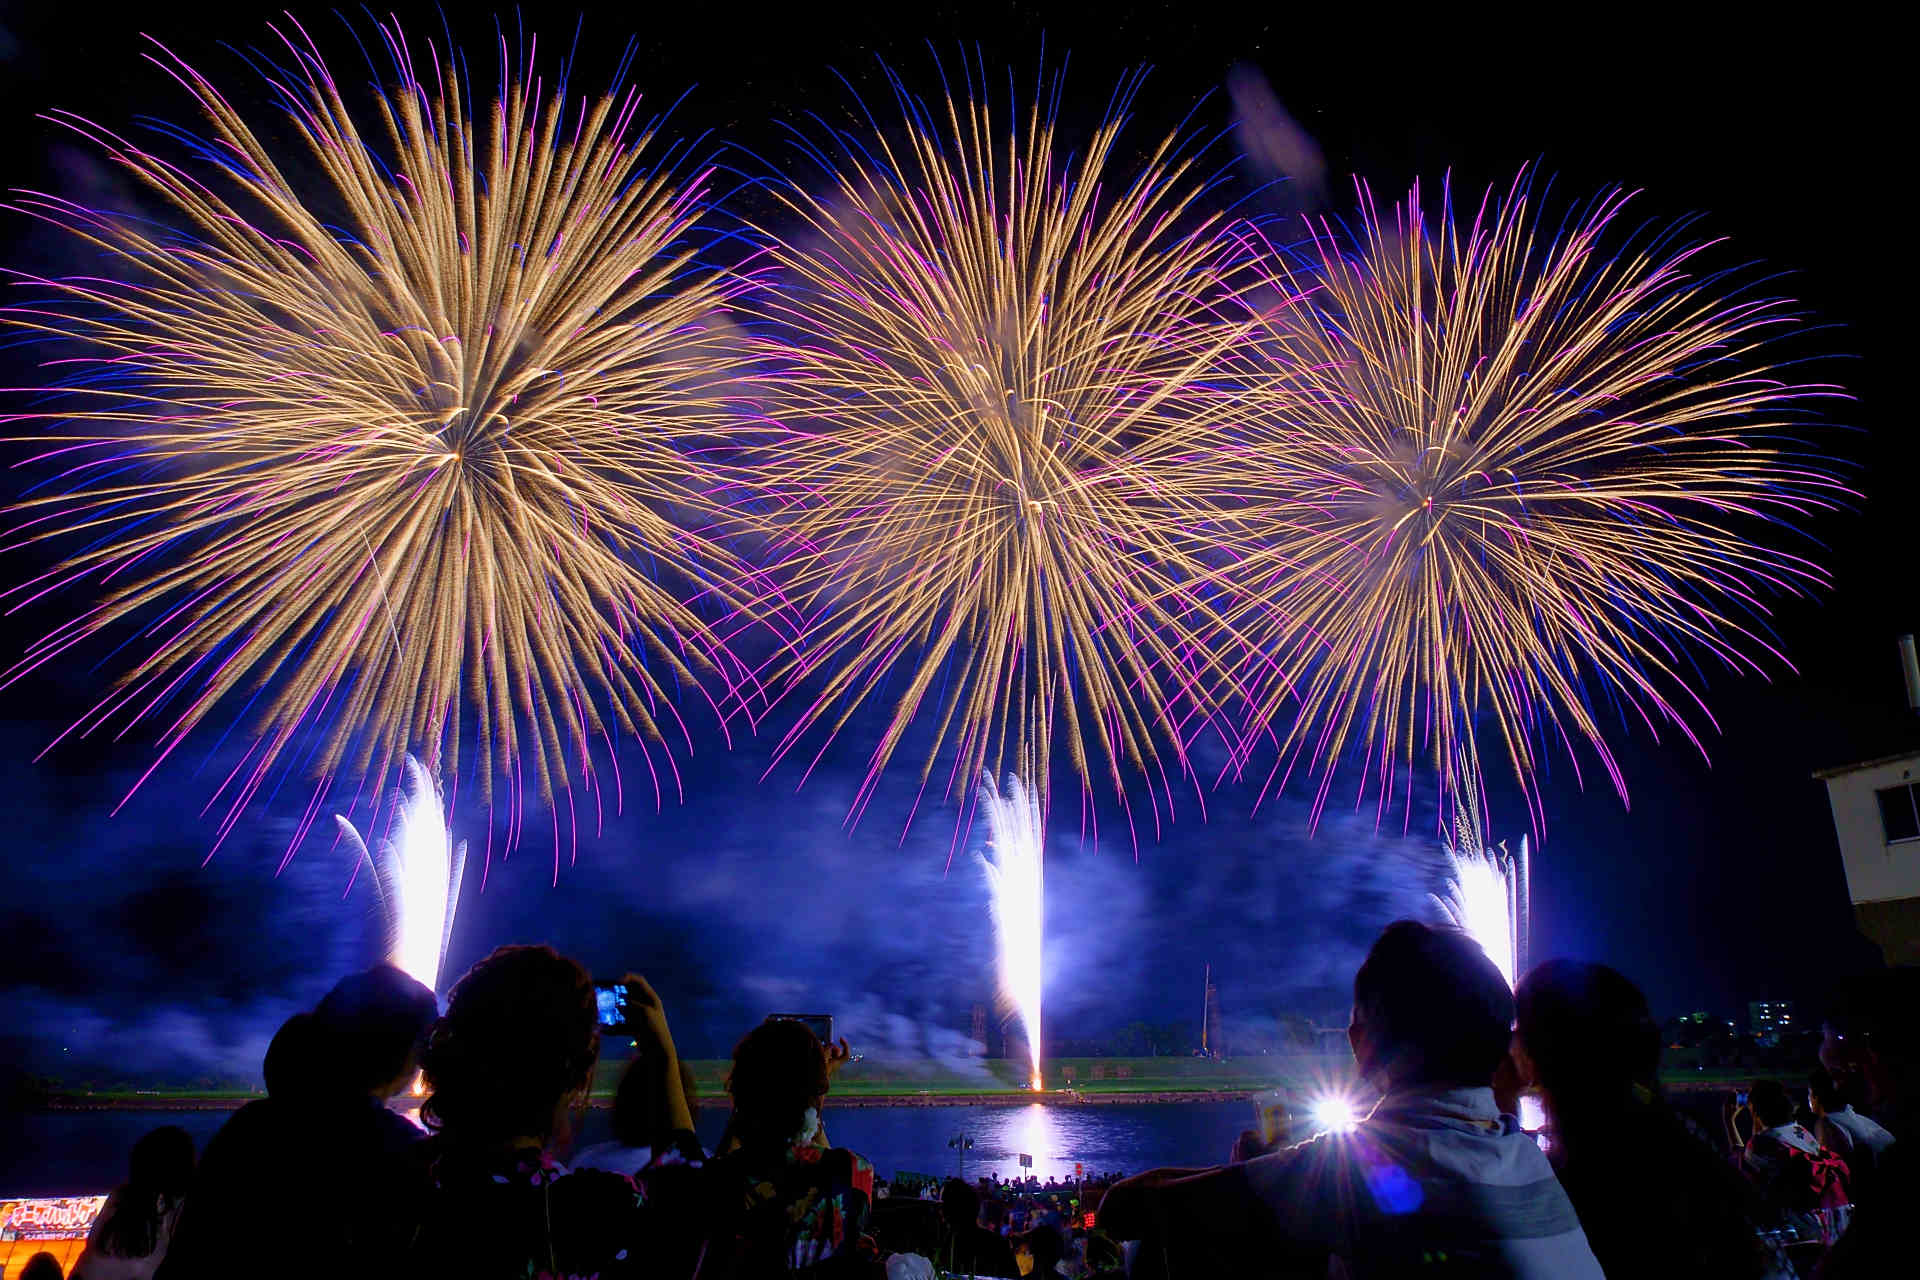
(976, 1082)
(922, 1098)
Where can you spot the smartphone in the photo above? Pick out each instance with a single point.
(821, 1024)
(611, 999)
(1740, 1098)
(1273, 1114)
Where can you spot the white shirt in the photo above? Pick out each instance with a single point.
(1862, 1131)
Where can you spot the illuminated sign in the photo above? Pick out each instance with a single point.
(65, 1218)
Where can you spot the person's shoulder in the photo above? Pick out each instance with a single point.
(601, 1187)
(615, 1157)
(395, 1129)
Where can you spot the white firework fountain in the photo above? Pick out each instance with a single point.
(416, 877)
(1488, 896)
(1016, 879)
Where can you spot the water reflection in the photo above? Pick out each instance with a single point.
(1057, 1137)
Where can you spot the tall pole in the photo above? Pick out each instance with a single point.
(1522, 910)
(1206, 1008)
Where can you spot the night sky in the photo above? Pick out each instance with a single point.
(1721, 884)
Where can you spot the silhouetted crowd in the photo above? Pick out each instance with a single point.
(323, 1178)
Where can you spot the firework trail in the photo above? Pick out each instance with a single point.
(1506, 473)
(439, 392)
(1016, 879)
(994, 418)
(416, 877)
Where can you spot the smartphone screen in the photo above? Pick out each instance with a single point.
(1273, 1113)
(611, 998)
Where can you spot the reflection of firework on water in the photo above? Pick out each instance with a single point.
(416, 877)
(993, 422)
(1489, 896)
(1016, 878)
(1506, 474)
(434, 394)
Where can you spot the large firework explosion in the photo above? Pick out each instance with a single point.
(1507, 473)
(994, 419)
(397, 447)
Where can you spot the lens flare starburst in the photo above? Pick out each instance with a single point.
(384, 425)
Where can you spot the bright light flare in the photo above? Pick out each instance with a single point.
(416, 877)
(1016, 880)
(1334, 1113)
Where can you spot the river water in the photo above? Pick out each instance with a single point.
(84, 1152)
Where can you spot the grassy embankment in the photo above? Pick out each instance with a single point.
(996, 1079)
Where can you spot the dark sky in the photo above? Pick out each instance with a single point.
(1720, 884)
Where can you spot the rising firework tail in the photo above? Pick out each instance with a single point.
(1504, 472)
(396, 458)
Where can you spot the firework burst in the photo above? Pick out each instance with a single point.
(1505, 473)
(388, 446)
(995, 415)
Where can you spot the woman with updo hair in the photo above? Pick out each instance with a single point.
(506, 1067)
(787, 1202)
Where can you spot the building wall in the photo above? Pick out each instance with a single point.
(1883, 878)
(1876, 871)
(1894, 926)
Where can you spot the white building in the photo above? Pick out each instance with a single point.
(1876, 815)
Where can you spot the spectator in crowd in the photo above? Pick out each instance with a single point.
(41, 1266)
(1435, 1170)
(1655, 1200)
(320, 1178)
(1884, 1236)
(505, 1069)
(130, 1236)
(785, 1200)
(1799, 1180)
(1037, 1253)
(645, 1116)
(967, 1247)
(1845, 1132)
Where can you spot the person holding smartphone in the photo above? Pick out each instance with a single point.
(507, 1068)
